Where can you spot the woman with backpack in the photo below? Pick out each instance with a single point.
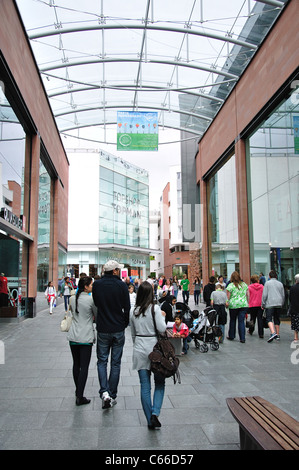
(144, 339)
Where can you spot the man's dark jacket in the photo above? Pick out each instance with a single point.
(111, 297)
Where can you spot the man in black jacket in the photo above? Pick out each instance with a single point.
(111, 297)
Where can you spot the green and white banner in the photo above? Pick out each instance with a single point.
(137, 130)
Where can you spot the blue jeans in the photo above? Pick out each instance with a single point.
(66, 301)
(107, 342)
(196, 296)
(234, 315)
(150, 408)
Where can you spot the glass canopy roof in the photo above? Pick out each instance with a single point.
(179, 58)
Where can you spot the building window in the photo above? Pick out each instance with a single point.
(14, 190)
(124, 203)
(44, 227)
(273, 203)
(223, 221)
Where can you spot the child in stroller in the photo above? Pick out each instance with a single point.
(205, 329)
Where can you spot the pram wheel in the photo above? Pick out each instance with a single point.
(204, 348)
(197, 344)
(214, 346)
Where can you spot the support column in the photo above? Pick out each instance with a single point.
(242, 210)
(33, 218)
(204, 233)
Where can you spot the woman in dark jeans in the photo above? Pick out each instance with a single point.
(81, 335)
(238, 305)
(66, 288)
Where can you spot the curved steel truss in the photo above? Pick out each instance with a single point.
(181, 59)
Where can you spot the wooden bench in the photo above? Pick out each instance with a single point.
(263, 426)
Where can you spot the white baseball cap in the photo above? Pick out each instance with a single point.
(112, 264)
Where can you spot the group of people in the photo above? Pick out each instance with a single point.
(107, 303)
(173, 285)
(260, 302)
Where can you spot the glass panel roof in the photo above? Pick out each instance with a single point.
(181, 59)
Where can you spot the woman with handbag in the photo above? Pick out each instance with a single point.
(81, 335)
(144, 339)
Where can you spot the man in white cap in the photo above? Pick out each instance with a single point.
(111, 296)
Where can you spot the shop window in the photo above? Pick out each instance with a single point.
(223, 221)
(273, 179)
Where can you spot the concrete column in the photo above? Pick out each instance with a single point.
(33, 218)
(242, 209)
(204, 231)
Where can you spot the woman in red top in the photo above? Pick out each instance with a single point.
(255, 292)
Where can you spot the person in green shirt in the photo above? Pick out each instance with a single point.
(237, 292)
(185, 289)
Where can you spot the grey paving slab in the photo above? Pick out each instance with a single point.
(37, 402)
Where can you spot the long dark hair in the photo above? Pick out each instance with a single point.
(144, 298)
(83, 281)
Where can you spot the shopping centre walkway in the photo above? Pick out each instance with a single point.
(37, 402)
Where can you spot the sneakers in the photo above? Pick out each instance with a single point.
(106, 400)
(273, 335)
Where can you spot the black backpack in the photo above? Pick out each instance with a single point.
(163, 359)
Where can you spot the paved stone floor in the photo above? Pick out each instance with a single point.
(37, 403)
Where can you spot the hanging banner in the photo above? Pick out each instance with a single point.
(296, 133)
(137, 130)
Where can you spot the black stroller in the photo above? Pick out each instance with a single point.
(185, 311)
(207, 331)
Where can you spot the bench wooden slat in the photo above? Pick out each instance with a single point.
(287, 426)
(267, 419)
(249, 425)
(267, 425)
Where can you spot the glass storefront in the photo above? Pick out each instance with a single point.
(13, 188)
(44, 228)
(124, 203)
(92, 262)
(223, 221)
(273, 195)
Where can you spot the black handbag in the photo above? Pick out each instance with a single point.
(265, 323)
(163, 359)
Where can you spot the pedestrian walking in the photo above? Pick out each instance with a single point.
(294, 307)
(208, 289)
(219, 302)
(272, 301)
(185, 283)
(237, 304)
(144, 339)
(66, 289)
(4, 290)
(111, 297)
(255, 292)
(81, 335)
(197, 288)
(175, 285)
(50, 295)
